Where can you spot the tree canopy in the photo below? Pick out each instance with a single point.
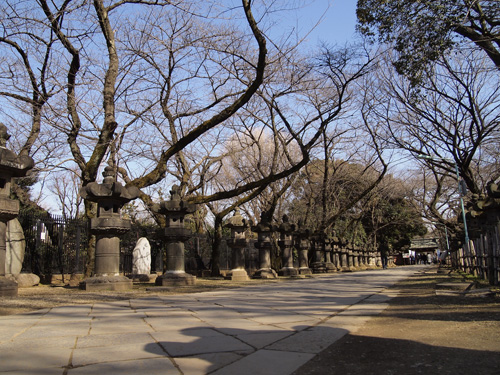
(421, 31)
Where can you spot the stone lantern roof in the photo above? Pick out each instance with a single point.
(175, 204)
(286, 227)
(265, 224)
(109, 189)
(237, 221)
(15, 166)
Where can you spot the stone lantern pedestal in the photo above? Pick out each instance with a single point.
(336, 253)
(237, 243)
(175, 236)
(344, 255)
(318, 266)
(353, 257)
(264, 230)
(285, 244)
(328, 246)
(302, 244)
(108, 226)
(11, 166)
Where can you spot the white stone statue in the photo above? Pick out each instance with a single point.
(142, 257)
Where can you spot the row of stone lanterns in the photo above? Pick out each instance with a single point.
(331, 254)
(108, 226)
(110, 197)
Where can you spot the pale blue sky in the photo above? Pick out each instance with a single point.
(338, 25)
(337, 20)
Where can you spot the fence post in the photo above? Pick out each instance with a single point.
(37, 257)
(77, 255)
(60, 249)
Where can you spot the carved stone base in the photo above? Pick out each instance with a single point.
(288, 271)
(319, 267)
(8, 287)
(175, 279)
(106, 283)
(265, 273)
(330, 267)
(237, 275)
(305, 271)
(142, 277)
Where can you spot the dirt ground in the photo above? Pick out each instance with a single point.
(47, 296)
(420, 333)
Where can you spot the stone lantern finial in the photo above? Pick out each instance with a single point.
(109, 175)
(4, 135)
(175, 193)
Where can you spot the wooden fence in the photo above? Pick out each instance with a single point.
(482, 257)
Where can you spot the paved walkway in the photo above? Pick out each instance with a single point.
(265, 329)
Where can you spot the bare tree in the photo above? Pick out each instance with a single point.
(66, 187)
(451, 118)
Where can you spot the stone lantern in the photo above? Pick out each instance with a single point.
(335, 244)
(328, 246)
(11, 166)
(237, 243)
(108, 226)
(302, 244)
(319, 265)
(175, 235)
(344, 255)
(264, 231)
(285, 243)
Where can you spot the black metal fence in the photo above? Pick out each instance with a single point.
(53, 244)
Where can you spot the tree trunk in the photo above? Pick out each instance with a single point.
(216, 245)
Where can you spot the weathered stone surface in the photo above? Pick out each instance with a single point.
(238, 243)
(110, 196)
(106, 283)
(175, 235)
(8, 287)
(142, 278)
(264, 230)
(237, 274)
(11, 165)
(15, 247)
(141, 257)
(175, 279)
(27, 280)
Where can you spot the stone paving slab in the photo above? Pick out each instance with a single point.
(196, 341)
(311, 340)
(42, 356)
(266, 362)
(115, 352)
(155, 366)
(107, 339)
(266, 329)
(207, 363)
